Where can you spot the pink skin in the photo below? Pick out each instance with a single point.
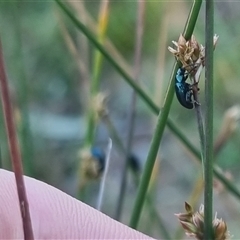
(55, 215)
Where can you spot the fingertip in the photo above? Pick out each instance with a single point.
(55, 214)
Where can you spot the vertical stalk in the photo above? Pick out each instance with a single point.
(14, 151)
(208, 154)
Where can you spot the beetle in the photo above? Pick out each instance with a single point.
(183, 89)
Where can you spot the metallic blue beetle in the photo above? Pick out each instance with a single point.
(183, 90)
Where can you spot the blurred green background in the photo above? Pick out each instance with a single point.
(50, 106)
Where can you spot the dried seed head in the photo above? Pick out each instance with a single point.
(196, 48)
(193, 224)
(220, 229)
(191, 54)
(188, 52)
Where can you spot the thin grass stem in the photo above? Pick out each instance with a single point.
(208, 153)
(14, 150)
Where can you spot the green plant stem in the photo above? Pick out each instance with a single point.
(192, 19)
(146, 98)
(208, 154)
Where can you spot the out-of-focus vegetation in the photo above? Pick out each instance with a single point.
(50, 99)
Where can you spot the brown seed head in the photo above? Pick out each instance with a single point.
(193, 224)
(220, 229)
(191, 54)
